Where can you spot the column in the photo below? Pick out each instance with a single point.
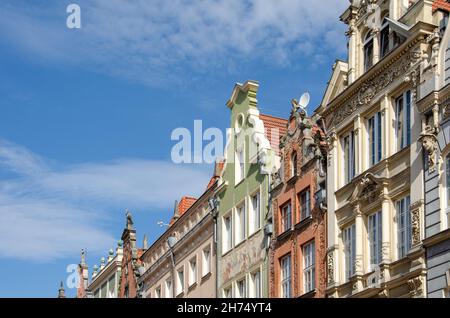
(359, 153)
(387, 127)
(352, 53)
(332, 227)
(386, 220)
(376, 46)
(359, 226)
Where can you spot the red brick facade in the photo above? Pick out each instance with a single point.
(298, 143)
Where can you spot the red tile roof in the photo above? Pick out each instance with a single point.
(185, 204)
(441, 4)
(274, 125)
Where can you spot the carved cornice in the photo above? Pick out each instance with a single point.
(365, 88)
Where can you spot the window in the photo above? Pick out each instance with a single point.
(227, 292)
(384, 39)
(305, 204)
(168, 289)
(286, 277)
(255, 216)
(206, 261)
(403, 227)
(293, 164)
(180, 281)
(240, 223)
(403, 120)
(368, 51)
(349, 251)
(158, 292)
(309, 267)
(374, 229)
(375, 139)
(239, 165)
(241, 289)
(228, 234)
(286, 218)
(192, 271)
(348, 147)
(255, 285)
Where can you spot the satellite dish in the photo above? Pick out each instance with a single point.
(304, 100)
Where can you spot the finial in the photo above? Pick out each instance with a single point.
(145, 242)
(61, 291)
(120, 244)
(129, 219)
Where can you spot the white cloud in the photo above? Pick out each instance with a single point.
(48, 213)
(157, 40)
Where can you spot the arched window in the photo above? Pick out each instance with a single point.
(293, 164)
(384, 38)
(368, 51)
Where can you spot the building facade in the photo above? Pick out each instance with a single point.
(181, 263)
(104, 282)
(435, 138)
(243, 227)
(375, 178)
(298, 249)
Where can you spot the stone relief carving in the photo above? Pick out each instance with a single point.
(369, 189)
(372, 87)
(415, 286)
(415, 221)
(429, 142)
(330, 266)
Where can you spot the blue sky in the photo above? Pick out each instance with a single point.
(86, 114)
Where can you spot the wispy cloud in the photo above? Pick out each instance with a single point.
(158, 41)
(47, 211)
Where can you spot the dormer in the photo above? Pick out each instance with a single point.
(374, 30)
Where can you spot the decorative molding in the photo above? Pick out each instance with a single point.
(369, 89)
(330, 267)
(415, 286)
(368, 190)
(415, 209)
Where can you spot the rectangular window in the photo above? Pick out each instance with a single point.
(168, 289)
(403, 120)
(305, 204)
(227, 233)
(239, 165)
(206, 261)
(255, 285)
(192, 271)
(241, 289)
(375, 139)
(349, 251)
(368, 54)
(255, 216)
(240, 224)
(309, 267)
(375, 235)
(285, 264)
(403, 227)
(348, 147)
(384, 40)
(180, 281)
(286, 218)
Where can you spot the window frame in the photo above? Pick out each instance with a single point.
(227, 240)
(375, 138)
(286, 218)
(180, 282)
(254, 214)
(309, 267)
(349, 246)
(404, 226)
(240, 223)
(368, 43)
(193, 272)
(375, 239)
(206, 262)
(403, 125)
(255, 288)
(305, 205)
(286, 276)
(348, 156)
